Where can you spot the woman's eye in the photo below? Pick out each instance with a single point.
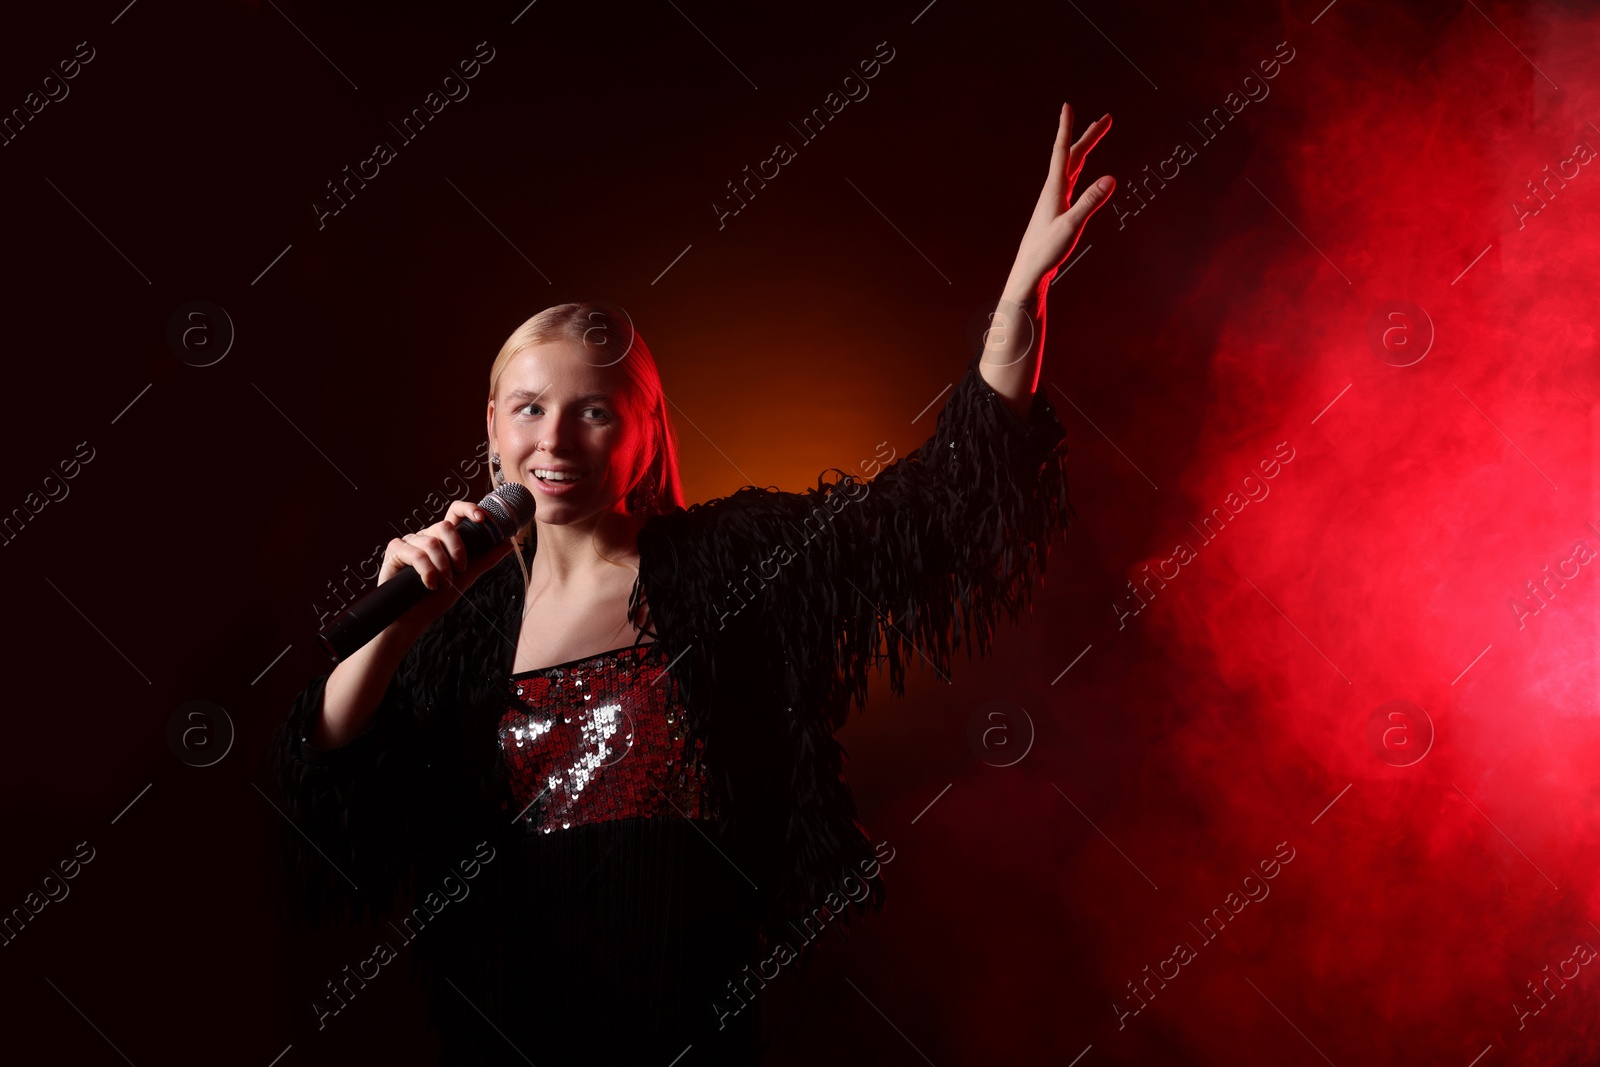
(532, 408)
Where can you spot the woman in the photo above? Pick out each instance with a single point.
(605, 770)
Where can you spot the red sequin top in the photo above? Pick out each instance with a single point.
(598, 739)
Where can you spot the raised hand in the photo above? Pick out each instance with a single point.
(1014, 344)
(1053, 230)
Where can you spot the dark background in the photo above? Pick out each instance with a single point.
(1182, 747)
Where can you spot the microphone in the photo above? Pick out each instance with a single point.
(509, 508)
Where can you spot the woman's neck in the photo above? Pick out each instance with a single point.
(574, 554)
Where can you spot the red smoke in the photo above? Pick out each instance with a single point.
(1432, 540)
(1392, 560)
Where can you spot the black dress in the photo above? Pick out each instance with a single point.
(628, 917)
(637, 916)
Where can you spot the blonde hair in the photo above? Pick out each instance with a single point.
(610, 337)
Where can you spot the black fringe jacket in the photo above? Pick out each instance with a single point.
(772, 608)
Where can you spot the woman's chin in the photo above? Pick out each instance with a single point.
(560, 511)
(556, 513)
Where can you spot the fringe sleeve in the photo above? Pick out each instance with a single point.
(364, 817)
(347, 848)
(921, 560)
(951, 537)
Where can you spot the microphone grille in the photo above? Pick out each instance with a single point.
(510, 507)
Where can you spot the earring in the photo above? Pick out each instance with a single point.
(642, 498)
(494, 465)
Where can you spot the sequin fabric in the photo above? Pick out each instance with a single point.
(598, 739)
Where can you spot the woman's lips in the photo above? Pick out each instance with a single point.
(553, 488)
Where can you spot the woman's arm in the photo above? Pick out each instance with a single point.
(354, 690)
(358, 684)
(927, 556)
(908, 567)
(1014, 344)
(345, 765)
(944, 543)
(952, 538)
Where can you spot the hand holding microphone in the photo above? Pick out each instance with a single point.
(424, 573)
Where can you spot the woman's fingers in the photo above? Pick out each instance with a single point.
(1060, 153)
(428, 557)
(439, 556)
(1066, 159)
(1055, 187)
(451, 538)
(399, 555)
(466, 509)
(1087, 204)
(1081, 148)
(435, 552)
(1096, 130)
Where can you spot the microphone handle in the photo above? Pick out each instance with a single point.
(378, 608)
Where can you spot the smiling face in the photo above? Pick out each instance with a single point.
(568, 430)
